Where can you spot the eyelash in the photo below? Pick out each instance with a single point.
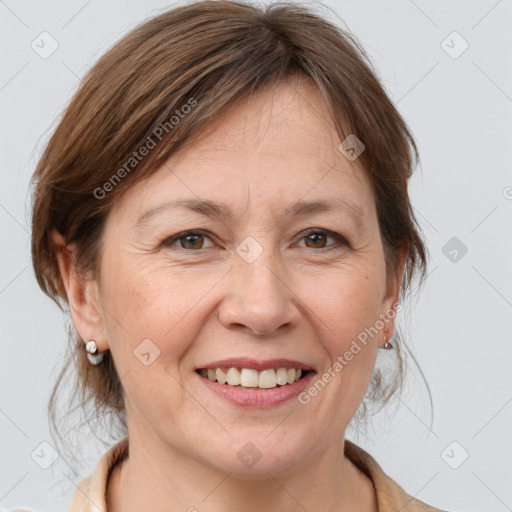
(170, 241)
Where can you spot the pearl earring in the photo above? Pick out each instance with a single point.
(93, 355)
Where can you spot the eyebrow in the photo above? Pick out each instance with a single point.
(223, 212)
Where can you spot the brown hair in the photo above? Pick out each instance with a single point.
(164, 82)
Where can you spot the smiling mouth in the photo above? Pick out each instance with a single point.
(249, 378)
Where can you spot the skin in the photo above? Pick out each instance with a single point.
(198, 301)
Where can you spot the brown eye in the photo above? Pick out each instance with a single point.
(317, 239)
(189, 240)
(192, 241)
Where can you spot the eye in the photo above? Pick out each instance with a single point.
(318, 237)
(188, 240)
(194, 239)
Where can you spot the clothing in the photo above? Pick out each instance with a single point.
(90, 494)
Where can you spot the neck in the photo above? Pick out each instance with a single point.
(173, 481)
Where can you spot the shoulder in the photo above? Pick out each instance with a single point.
(390, 496)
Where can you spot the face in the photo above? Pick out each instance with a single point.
(259, 279)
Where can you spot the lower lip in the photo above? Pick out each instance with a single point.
(258, 397)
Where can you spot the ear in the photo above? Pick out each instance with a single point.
(82, 293)
(391, 299)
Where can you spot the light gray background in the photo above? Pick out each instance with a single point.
(460, 110)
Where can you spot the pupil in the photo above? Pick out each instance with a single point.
(194, 237)
(314, 237)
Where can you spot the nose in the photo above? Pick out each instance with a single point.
(258, 300)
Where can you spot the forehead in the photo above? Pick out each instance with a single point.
(289, 122)
(274, 148)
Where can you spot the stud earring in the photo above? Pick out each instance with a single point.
(93, 354)
(387, 345)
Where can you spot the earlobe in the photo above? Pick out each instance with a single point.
(81, 292)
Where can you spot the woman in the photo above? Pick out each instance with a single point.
(223, 208)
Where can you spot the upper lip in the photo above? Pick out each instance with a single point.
(245, 362)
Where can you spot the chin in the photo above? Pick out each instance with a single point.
(254, 456)
(258, 468)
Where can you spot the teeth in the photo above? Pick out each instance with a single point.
(233, 377)
(251, 378)
(267, 379)
(221, 375)
(282, 376)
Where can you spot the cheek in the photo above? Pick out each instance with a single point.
(153, 318)
(155, 302)
(347, 302)
(347, 308)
